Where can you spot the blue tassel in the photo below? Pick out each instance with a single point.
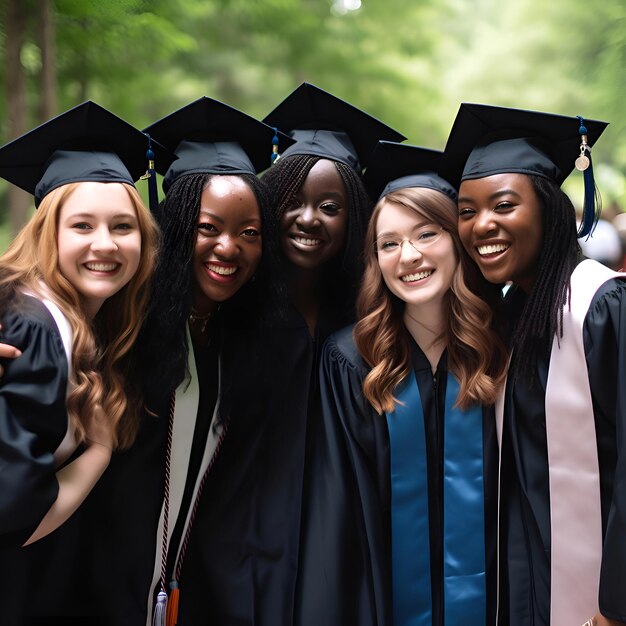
(275, 154)
(592, 204)
(150, 175)
(159, 610)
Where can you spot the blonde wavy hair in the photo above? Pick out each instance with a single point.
(101, 348)
(476, 356)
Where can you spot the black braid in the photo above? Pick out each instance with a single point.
(163, 339)
(542, 317)
(284, 180)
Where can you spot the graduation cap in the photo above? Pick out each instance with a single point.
(210, 137)
(325, 126)
(85, 144)
(487, 140)
(395, 166)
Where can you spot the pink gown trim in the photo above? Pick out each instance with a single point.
(574, 475)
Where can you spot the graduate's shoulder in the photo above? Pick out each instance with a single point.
(340, 348)
(26, 321)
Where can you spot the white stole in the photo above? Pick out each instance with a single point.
(574, 475)
(185, 416)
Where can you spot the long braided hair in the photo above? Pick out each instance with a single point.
(542, 316)
(284, 180)
(165, 350)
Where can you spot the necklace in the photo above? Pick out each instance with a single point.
(202, 319)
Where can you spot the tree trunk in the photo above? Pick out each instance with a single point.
(47, 75)
(16, 17)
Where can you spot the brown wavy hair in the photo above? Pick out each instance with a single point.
(476, 356)
(101, 349)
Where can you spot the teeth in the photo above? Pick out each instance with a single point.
(223, 271)
(491, 249)
(101, 267)
(307, 242)
(410, 278)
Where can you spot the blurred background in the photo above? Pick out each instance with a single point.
(408, 62)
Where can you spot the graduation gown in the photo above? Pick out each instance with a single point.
(242, 563)
(33, 419)
(125, 507)
(346, 570)
(35, 441)
(525, 492)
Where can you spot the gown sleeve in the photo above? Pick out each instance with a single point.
(605, 346)
(344, 576)
(33, 422)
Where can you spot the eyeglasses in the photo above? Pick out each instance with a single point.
(420, 240)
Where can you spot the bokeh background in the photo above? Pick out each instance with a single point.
(409, 62)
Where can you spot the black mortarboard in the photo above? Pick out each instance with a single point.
(325, 126)
(86, 143)
(395, 166)
(487, 140)
(210, 137)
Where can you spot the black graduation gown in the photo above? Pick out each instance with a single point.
(125, 506)
(346, 552)
(242, 562)
(33, 419)
(36, 580)
(525, 582)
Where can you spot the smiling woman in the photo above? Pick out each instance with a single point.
(243, 554)
(228, 243)
(314, 226)
(99, 249)
(500, 225)
(406, 444)
(215, 224)
(74, 290)
(561, 415)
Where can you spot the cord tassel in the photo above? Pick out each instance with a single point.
(159, 610)
(172, 605)
(592, 202)
(150, 176)
(275, 155)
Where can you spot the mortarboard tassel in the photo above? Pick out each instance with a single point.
(150, 176)
(275, 154)
(159, 610)
(172, 605)
(592, 203)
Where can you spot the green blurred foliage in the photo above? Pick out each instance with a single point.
(409, 63)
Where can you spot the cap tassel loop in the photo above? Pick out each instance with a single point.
(172, 605)
(150, 176)
(592, 203)
(275, 154)
(158, 618)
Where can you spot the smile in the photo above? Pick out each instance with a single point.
(221, 270)
(307, 241)
(411, 278)
(102, 267)
(492, 248)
